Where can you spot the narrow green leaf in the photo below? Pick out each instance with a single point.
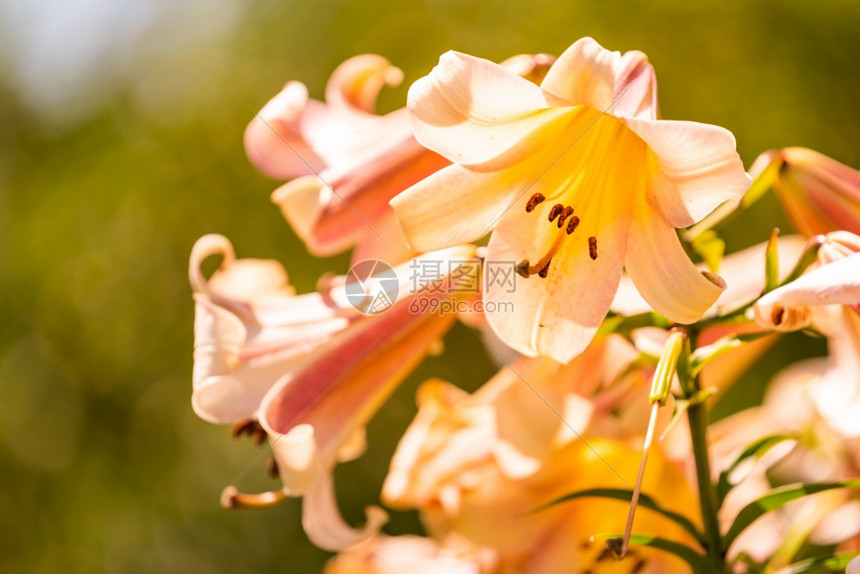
(755, 450)
(699, 563)
(777, 498)
(771, 263)
(830, 564)
(625, 495)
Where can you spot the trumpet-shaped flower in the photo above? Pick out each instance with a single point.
(311, 368)
(348, 161)
(478, 465)
(578, 179)
(819, 194)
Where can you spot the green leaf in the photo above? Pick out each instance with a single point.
(755, 450)
(626, 495)
(830, 564)
(771, 263)
(699, 563)
(775, 499)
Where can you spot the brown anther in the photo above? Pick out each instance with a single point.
(592, 247)
(572, 224)
(564, 215)
(249, 427)
(534, 201)
(777, 314)
(272, 468)
(639, 566)
(555, 211)
(544, 270)
(523, 268)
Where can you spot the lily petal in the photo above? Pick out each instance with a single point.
(835, 283)
(355, 85)
(584, 75)
(274, 139)
(698, 167)
(431, 224)
(555, 316)
(456, 111)
(663, 273)
(635, 87)
(324, 524)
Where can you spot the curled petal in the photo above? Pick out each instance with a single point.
(355, 84)
(274, 139)
(249, 329)
(663, 273)
(635, 87)
(457, 112)
(787, 308)
(324, 524)
(584, 75)
(697, 167)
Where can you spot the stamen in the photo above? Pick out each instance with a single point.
(543, 272)
(523, 268)
(592, 247)
(555, 211)
(572, 224)
(232, 498)
(534, 201)
(272, 468)
(542, 266)
(564, 215)
(249, 427)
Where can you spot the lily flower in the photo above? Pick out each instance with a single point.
(578, 179)
(348, 161)
(311, 369)
(819, 194)
(834, 280)
(414, 554)
(478, 465)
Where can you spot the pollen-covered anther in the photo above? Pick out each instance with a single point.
(249, 427)
(555, 211)
(534, 201)
(592, 247)
(572, 224)
(568, 211)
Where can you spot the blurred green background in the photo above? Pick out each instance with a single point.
(121, 144)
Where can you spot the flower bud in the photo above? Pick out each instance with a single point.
(819, 194)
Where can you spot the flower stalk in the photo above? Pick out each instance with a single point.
(697, 417)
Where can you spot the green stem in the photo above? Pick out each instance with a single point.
(698, 418)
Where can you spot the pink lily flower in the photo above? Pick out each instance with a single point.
(578, 180)
(348, 161)
(312, 369)
(819, 194)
